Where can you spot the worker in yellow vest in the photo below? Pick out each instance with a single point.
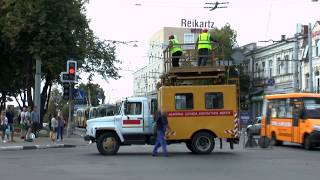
(175, 50)
(204, 46)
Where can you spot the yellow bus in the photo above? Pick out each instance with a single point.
(292, 117)
(207, 111)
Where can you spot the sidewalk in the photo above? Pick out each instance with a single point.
(42, 143)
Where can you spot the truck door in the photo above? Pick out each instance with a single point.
(132, 120)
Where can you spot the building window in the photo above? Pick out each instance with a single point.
(286, 64)
(279, 66)
(188, 38)
(184, 101)
(307, 80)
(270, 68)
(214, 100)
(318, 47)
(263, 69)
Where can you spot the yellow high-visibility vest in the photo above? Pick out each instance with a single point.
(175, 47)
(204, 41)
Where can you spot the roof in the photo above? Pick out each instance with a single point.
(293, 95)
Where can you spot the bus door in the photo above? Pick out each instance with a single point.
(268, 119)
(296, 115)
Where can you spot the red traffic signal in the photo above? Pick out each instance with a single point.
(72, 68)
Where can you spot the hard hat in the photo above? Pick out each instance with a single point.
(171, 37)
(204, 30)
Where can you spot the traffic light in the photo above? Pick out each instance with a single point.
(66, 91)
(72, 68)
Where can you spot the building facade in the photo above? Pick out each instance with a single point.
(147, 78)
(282, 67)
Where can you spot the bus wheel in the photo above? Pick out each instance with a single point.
(108, 143)
(274, 141)
(307, 142)
(202, 143)
(188, 144)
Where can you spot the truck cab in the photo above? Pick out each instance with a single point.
(132, 124)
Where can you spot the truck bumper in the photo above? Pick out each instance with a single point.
(89, 138)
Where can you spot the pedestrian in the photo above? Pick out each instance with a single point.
(161, 127)
(175, 50)
(53, 125)
(61, 124)
(28, 124)
(35, 119)
(204, 46)
(23, 121)
(4, 125)
(10, 116)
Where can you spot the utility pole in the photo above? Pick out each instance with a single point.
(37, 85)
(310, 59)
(296, 80)
(70, 103)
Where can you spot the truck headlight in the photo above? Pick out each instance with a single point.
(316, 127)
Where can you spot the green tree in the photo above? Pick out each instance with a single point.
(54, 31)
(226, 38)
(95, 94)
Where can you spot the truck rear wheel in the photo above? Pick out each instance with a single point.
(108, 143)
(202, 143)
(188, 144)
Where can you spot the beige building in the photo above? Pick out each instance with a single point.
(146, 78)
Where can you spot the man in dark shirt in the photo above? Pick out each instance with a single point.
(10, 115)
(162, 125)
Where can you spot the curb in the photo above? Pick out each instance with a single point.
(13, 148)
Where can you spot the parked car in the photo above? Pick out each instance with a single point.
(254, 128)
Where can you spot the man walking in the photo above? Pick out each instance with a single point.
(10, 115)
(204, 45)
(161, 124)
(35, 119)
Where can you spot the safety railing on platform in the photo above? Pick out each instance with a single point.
(190, 58)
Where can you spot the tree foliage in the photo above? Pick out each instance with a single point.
(54, 31)
(94, 93)
(226, 38)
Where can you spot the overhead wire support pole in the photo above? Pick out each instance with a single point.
(215, 5)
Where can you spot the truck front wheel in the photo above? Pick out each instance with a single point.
(202, 143)
(108, 143)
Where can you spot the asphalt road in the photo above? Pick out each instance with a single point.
(136, 163)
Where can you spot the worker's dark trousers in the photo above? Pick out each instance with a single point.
(161, 141)
(203, 56)
(175, 58)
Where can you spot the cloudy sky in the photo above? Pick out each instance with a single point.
(138, 20)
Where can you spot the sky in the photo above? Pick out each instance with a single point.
(138, 20)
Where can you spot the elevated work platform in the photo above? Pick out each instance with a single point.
(189, 72)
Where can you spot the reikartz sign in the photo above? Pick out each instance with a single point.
(196, 23)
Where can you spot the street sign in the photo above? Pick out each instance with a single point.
(78, 94)
(270, 82)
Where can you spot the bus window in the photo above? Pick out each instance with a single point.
(214, 100)
(311, 108)
(184, 101)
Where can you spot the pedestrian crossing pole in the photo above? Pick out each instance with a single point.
(70, 103)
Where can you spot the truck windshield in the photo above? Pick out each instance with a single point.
(312, 108)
